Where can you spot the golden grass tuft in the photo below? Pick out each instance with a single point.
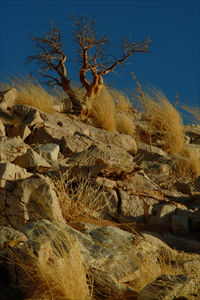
(58, 275)
(35, 95)
(187, 162)
(165, 120)
(80, 198)
(31, 92)
(125, 124)
(102, 111)
(113, 112)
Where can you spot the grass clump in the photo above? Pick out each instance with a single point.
(113, 112)
(35, 95)
(56, 272)
(79, 197)
(187, 162)
(31, 92)
(165, 120)
(102, 111)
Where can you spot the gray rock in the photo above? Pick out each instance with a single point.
(10, 237)
(162, 213)
(10, 148)
(48, 151)
(74, 144)
(9, 173)
(22, 131)
(180, 224)
(183, 187)
(151, 153)
(197, 184)
(32, 161)
(170, 287)
(112, 259)
(33, 198)
(193, 132)
(182, 243)
(106, 155)
(131, 208)
(8, 97)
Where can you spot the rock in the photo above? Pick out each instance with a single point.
(162, 213)
(159, 168)
(131, 208)
(193, 132)
(181, 243)
(124, 141)
(43, 134)
(104, 155)
(2, 129)
(103, 248)
(10, 148)
(50, 248)
(10, 237)
(151, 153)
(8, 97)
(33, 198)
(48, 151)
(74, 144)
(194, 222)
(22, 131)
(183, 187)
(32, 118)
(10, 173)
(32, 161)
(170, 287)
(197, 184)
(180, 224)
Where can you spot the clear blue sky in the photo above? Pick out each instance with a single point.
(172, 66)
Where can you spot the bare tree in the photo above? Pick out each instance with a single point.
(92, 53)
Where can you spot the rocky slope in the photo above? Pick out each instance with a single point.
(135, 219)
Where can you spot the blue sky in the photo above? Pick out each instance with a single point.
(172, 66)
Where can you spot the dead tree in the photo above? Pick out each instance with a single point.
(92, 53)
(51, 59)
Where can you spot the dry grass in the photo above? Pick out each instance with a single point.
(113, 112)
(187, 162)
(102, 111)
(58, 275)
(125, 124)
(30, 92)
(35, 95)
(165, 120)
(80, 198)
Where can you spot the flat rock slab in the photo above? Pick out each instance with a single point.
(171, 287)
(32, 161)
(48, 151)
(10, 148)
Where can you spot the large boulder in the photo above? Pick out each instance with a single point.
(32, 161)
(8, 97)
(10, 173)
(10, 148)
(171, 287)
(33, 198)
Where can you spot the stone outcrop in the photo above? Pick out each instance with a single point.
(142, 212)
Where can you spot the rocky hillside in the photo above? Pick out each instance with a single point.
(91, 214)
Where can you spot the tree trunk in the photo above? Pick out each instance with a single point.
(76, 105)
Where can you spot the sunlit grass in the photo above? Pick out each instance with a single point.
(79, 199)
(31, 92)
(57, 273)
